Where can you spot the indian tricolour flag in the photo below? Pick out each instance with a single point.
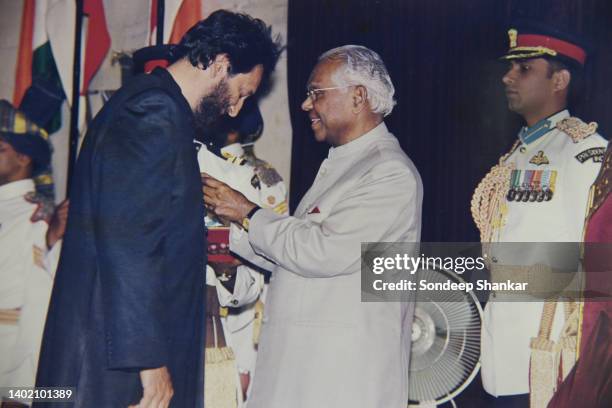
(36, 58)
(46, 46)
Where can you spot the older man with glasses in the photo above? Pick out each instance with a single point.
(321, 346)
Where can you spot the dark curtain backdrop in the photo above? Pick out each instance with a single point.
(451, 117)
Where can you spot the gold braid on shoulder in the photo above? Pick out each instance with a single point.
(576, 128)
(488, 202)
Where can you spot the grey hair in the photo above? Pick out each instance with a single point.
(364, 67)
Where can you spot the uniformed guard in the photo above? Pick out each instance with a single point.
(240, 289)
(537, 192)
(244, 323)
(27, 263)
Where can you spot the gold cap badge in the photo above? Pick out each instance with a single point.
(512, 35)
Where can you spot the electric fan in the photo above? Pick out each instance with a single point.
(445, 342)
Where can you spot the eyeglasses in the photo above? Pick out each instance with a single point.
(313, 93)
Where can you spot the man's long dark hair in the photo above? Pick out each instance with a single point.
(246, 41)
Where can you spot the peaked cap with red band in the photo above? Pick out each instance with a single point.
(535, 41)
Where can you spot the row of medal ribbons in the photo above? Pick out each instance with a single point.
(532, 185)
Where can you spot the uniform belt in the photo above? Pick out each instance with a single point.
(9, 316)
(543, 280)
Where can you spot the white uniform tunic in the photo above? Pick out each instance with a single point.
(249, 284)
(509, 326)
(26, 279)
(321, 347)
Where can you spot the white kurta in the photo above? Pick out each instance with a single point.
(509, 326)
(26, 279)
(321, 346)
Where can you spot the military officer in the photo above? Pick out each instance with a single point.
(537, 193)
(28, 250)
(240, 289)
(243, 322)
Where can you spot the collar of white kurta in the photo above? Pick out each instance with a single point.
(360, 143)
(529, 135)
(16, 189)
(235, 149)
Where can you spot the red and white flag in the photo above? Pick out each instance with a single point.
(179, 16)
(46, 46)
(97, 41)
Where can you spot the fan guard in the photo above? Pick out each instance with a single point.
(445, 354)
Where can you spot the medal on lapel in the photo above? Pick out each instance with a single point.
(548, 184)
(527, 185)
(514, 184)
(535, 185)
(519, 194)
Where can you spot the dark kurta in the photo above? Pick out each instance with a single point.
(128, 292)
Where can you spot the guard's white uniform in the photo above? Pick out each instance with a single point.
(249, 285)
(509, 326)
(321, 347)
(26, 279)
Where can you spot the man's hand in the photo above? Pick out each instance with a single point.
(225, 202)
(57, 225)
(156, 388)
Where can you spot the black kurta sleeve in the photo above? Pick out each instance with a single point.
(135, 176)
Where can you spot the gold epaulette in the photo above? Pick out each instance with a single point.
(282, 208)
(576, 129)
(234, 159)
